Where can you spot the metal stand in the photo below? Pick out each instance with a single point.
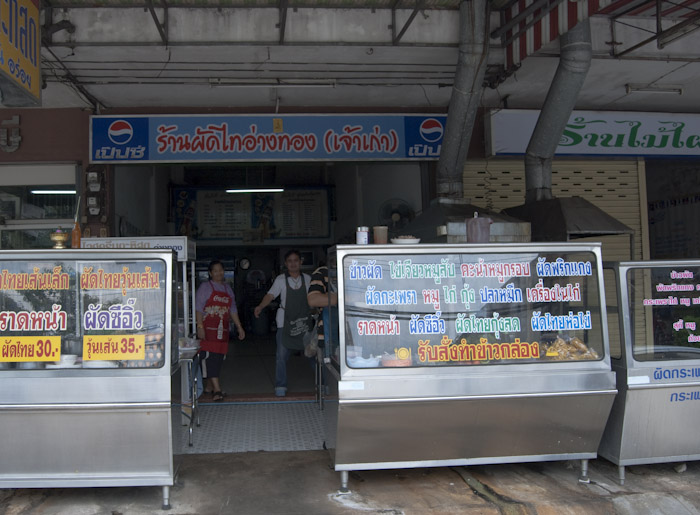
(193, 415)
(583, 478)
(166, 498)
(319, 378)
(344, 476)
(621, 474)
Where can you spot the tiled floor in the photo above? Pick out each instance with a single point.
(252, 418)
(260, 426)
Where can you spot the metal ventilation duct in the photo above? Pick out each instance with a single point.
(561, 219)
(466, 96)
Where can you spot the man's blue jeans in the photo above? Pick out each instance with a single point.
(281, 358)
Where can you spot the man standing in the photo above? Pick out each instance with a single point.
(321, 296)
(293, 316)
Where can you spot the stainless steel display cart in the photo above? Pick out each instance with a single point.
(86, 354)
(657, 362)
(184, 323)
(448, 355)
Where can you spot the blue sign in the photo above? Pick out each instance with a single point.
(218, 138)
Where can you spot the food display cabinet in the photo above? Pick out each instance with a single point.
(183, 318)
(446, 355)
(85, 368)
(657, 363)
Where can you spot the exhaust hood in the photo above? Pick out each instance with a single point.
(445, 221)
(563, 219)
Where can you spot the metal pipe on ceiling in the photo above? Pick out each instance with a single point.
(466, 96)
(574, 62)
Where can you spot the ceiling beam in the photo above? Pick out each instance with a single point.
(162, 28)
(396, 38)
(282, 25)
(664, 37)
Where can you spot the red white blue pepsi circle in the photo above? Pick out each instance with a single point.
(431, 130)
(120, 132)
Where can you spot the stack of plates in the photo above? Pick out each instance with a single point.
(30, 365)
(64, 365)
(405, 241)
(100, 364)
(360, 362)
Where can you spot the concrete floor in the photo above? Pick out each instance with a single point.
(257, 454)
(289, 483)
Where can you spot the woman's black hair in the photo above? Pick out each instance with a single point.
(290, 252)
(212, 264)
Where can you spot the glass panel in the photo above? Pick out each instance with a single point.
(31, 202)
(36, 237)
(331, 321)
(69, 314)
(613, 311)
(665, 313)
(437, 309)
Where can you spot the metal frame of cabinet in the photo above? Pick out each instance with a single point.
(90, 427)
(462, 414)
(653, 419)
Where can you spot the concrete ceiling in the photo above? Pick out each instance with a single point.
(268, 56)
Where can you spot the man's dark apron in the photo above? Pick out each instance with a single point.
(297, 319)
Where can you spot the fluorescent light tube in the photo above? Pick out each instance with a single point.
(256, 190)
(53, 192)
(654, 88)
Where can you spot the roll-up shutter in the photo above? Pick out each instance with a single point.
(616, 187)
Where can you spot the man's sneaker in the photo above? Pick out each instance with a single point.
(280, 391)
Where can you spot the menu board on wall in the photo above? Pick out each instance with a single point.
(252, 217)
(442, 309)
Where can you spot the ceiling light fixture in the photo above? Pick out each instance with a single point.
(256, 190)
(654, 88)
(53, 192)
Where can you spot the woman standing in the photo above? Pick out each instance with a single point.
(215, 307)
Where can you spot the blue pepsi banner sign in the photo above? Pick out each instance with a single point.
(219, 138)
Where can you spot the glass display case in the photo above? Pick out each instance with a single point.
(85, 368)
(657, 365)
(500, 349)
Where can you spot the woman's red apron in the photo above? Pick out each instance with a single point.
(216, 322)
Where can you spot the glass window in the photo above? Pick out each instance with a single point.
(37, 202)
(613, 311)
(664, 304)
(436, 309)
(70, 314)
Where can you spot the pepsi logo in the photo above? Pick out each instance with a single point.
(120, 132)
(431, 130)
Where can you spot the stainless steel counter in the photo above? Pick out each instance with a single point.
(106, 419)
(655, 415)
(466, 354)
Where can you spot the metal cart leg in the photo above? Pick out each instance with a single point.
(344, 476)
(583, 478)
(621, 474)
(166, 498)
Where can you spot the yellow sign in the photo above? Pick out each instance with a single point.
(20, 45)
(114, 347)
(30, 348)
